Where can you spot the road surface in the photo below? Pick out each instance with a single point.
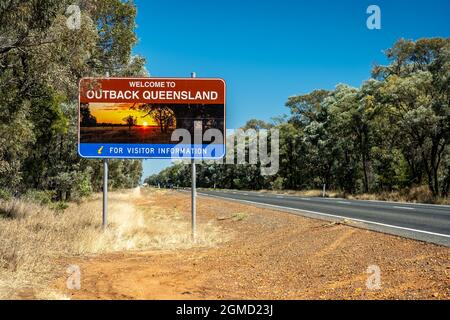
(430, 223)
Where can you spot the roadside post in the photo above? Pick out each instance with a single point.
(105, 189)
(151, 118)
(193, 191)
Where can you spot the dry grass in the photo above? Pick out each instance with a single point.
(33, 237)
(306, 193)
(240, 216)
(415, 195)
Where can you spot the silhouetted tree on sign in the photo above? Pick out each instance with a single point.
(163, 115)
(130, 121)
(87, 119)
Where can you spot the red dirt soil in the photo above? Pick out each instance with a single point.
(271, 255)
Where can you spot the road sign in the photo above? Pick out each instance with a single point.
(152, 118)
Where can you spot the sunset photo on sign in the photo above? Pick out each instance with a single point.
(125, 122)
(108, 122)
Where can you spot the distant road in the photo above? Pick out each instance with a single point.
(423, 222)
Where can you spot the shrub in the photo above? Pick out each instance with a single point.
(420, 194)
(5, 194)
(240, 216)
(59, 206)
(39, 197)
(84, 187)
(278, 183)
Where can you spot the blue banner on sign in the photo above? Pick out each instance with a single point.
(145, 151)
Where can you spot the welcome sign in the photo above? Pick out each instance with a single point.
(152, 118)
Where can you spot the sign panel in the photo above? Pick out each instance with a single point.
(152, 118)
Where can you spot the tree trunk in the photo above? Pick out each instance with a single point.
(430, 176)
(446, 183)
(366, 179)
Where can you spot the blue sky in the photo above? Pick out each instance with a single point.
(269, 50)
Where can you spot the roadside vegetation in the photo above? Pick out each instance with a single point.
(388, 139)
(42, 58)
(416, 194)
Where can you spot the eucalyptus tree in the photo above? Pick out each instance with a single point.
(416, 94)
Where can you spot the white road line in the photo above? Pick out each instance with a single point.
(344, 202)
(280, 197)
(335, 216)
(404, 208)
(394, 202)
(380, 201)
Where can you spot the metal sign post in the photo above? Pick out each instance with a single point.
(193, 191)
(105, 194)
(193, 200)
(105, 188)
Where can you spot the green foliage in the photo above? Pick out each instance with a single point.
(5, 194)
(278, 183)
(39, 197)
(84, 186)
(392, 134)
(41, 62)
(240, 216)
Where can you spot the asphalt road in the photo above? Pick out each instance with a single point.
(430, 223)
